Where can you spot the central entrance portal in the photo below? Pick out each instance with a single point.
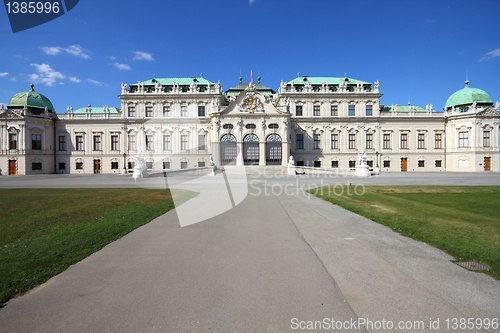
(273, 150)
(251, 149)
(228, 150)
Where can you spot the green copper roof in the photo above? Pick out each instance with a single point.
(31, 99)
(183, 81)
(318, 80)
(468, 95)
(236, 90)
(402, 108)
(96, 110)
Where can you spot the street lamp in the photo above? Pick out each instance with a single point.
(124, 170)
(376, 153)
(377, 168)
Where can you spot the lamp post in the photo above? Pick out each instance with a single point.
(376, 153)
(377, 168)
(124, 170)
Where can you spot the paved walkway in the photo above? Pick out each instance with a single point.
(265, 265)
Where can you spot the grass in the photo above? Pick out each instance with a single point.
(44, 231)
(463, 221)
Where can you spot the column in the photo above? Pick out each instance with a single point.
(239, 150)
(262, 153)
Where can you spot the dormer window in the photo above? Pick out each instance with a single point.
(228, 126)
(273, 126)
(251, 126)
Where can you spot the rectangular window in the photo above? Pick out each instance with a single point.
(184, 111)
(369, 141)
(201, 142)
(335, 164)
(130, 165)
(79, 165)
(370, 163)
(167, 142)
(421, 141)
(131, 111)
(62, 142)
(352, 110)
(114, 165)
(463, 139)
(149, 111)
(97, 142)
(352, 141)
(369, 110)
(486, 138)
(335, 141)
(352, 164)
(201, 111)
(438, 143)
(317, 164)
(166, 111)
(387, 141)
(201, 164)
(404, 141)
(131, 142)
(62, 166)
(114, 142)
(166, 165)
(36, 142)
(317, 142)
(149, 142)
(387, 164)
(184, 142)
(149, 165)
(300, 141)
(316, 110)
(438, 163)
(184, 165)
(12, 141)
(298, 110)
(334, 110)
(36, 166)
(79, 142)
(421, 163)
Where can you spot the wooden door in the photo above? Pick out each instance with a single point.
(12, 167)
(404, 164)
(97, 166)
(487, 164)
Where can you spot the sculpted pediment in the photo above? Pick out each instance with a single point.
(251, 102)
(489, 112)
(10, 115)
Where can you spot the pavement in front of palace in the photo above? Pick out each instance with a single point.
(277, 258)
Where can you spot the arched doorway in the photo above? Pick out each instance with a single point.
(273, 150)
(251, 149)
(228, 150)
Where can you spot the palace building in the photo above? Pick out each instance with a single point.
(179, 123)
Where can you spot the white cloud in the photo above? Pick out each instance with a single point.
(13, 79)
(4, 74)
(138, 55)
(122, 67)
(97, 83)
(74, 79)
(492, 54)
(251, 1)
(112, 57)
(45, 74)
(75, 50)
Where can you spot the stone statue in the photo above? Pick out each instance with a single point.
(362, 158)
(377, 85)
(291, 166)
(497, 105)
(140, 169)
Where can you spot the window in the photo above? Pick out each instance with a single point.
(421, 141)
(421, 163)
(387, 141)
(184, 142)
(335, 141)
(62, 142)
(273, 126)
(369, 110)
(486, 138)
(298, 110)
(131, 142)
(97, 142)
(352, 141)
(404, 141)
(114, 142)
(201, 164)
(184, 165)
(316, 141)
(334, 110)
(251, 126)
(130, 165)
(201, 142)
(167, 142)
(166, 111)
(300, 163)
(149, 142)
(387, 164)
(79, 142)
(114, 165)
(369, 141)
(149, 165)
(227, 126)
(352, 110)
(463, 139)
(62, 166)
(131, 111)
(352, 164)
(79, 165)
(316, 110)
(36, 142)
(12, 141)
(438, 143)
(370, 163)
(335, 164)
(184, 111)
(149, 111)
(166, 164)
(317, 164)
(438, 163)
(201, 110)
(300, 141)
(36, 166)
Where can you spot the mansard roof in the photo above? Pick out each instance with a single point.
(96, 110)
(238, 89)
(318, 80)
(183, 81)
(401, 108)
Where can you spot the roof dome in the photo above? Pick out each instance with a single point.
(31, 99)
(467, 96)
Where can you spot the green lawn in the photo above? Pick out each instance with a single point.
(44, 231)
(463, 221)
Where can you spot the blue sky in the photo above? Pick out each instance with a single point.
(418, 50)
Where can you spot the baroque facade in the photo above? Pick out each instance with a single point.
(178, 123)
